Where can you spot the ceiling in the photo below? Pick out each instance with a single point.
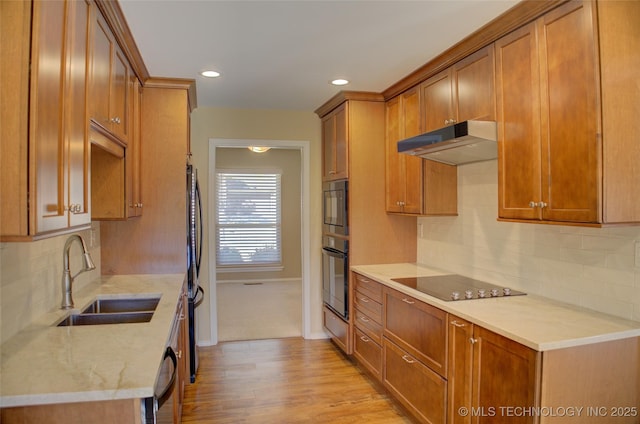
(283, 54)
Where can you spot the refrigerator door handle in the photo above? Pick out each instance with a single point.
(196, 301)
(200, 229)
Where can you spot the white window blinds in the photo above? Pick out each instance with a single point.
(248, 219)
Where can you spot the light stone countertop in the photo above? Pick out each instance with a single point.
(45, 364)
(537, 322)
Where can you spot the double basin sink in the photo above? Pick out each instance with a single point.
(114, 311)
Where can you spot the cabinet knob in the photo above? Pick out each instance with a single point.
(473, 341)
(115, 120)
(540, 205)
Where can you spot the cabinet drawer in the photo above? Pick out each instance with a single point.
(368, 305)
(338, 329)
(368, 287)
(368, 325)
(368, 352)
(418, 328)
(416, 386)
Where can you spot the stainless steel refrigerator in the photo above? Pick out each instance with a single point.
(194, 257)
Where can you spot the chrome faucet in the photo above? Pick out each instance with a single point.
(67, 279)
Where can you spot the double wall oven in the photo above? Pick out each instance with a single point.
(335, 248)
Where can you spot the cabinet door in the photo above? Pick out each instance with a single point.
(342, 142)
(473, 86)
(460, 370)
(505, 373)
(518, 110)
(368, 352)
(393, 161)
(58, 126)
(132, 155)
(47, 137)
(120, 96)
(570, 119)
(338, 328)
(77, 128)
(101, 71)
(404, 178)
(335, 146)
(418, 328)
(413, 182)
(416, 386)
(437, 99)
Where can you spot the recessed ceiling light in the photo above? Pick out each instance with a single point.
(340, 81)
(210, 74)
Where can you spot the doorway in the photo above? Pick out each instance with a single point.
(268, 299)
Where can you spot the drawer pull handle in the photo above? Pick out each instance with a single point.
(457, 324)
(365, 339)
(410, 302)
(408, 359)
(364, 299)
(364, 319)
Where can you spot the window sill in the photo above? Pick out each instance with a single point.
(275, 268)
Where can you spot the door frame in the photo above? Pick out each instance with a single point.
(305, 152)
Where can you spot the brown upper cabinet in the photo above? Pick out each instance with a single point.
(414, 186)
(45, 145)
(461, 92)
(403, 172)
(567, 137)
(110, 83)
(335, 144)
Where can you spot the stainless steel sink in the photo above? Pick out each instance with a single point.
(115, 305)
(114, 311)
(106, 318)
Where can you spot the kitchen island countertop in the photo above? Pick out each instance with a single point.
(534, 321)
(45, 364)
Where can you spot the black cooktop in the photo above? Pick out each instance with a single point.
(452, 287)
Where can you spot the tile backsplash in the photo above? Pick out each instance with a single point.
(591, 267)
(31, 277)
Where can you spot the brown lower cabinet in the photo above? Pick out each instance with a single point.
(445, 369)
(338, 328)
(489, 376)
(416, 386)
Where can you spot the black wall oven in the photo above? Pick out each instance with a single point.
(335, 206)
(335, 275)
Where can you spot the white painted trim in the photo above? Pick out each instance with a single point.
(305, 242)
(261, 280)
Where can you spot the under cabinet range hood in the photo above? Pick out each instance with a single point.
(464, 142)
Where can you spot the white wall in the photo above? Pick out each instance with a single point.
(590, 267)
(207, 123)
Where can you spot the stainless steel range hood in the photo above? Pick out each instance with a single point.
(464, 142)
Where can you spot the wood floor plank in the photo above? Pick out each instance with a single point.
(283, 381)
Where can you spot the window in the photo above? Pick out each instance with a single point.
(248, 219)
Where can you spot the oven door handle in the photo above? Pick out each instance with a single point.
(334, 252)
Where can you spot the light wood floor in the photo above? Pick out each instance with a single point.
(284, 381)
